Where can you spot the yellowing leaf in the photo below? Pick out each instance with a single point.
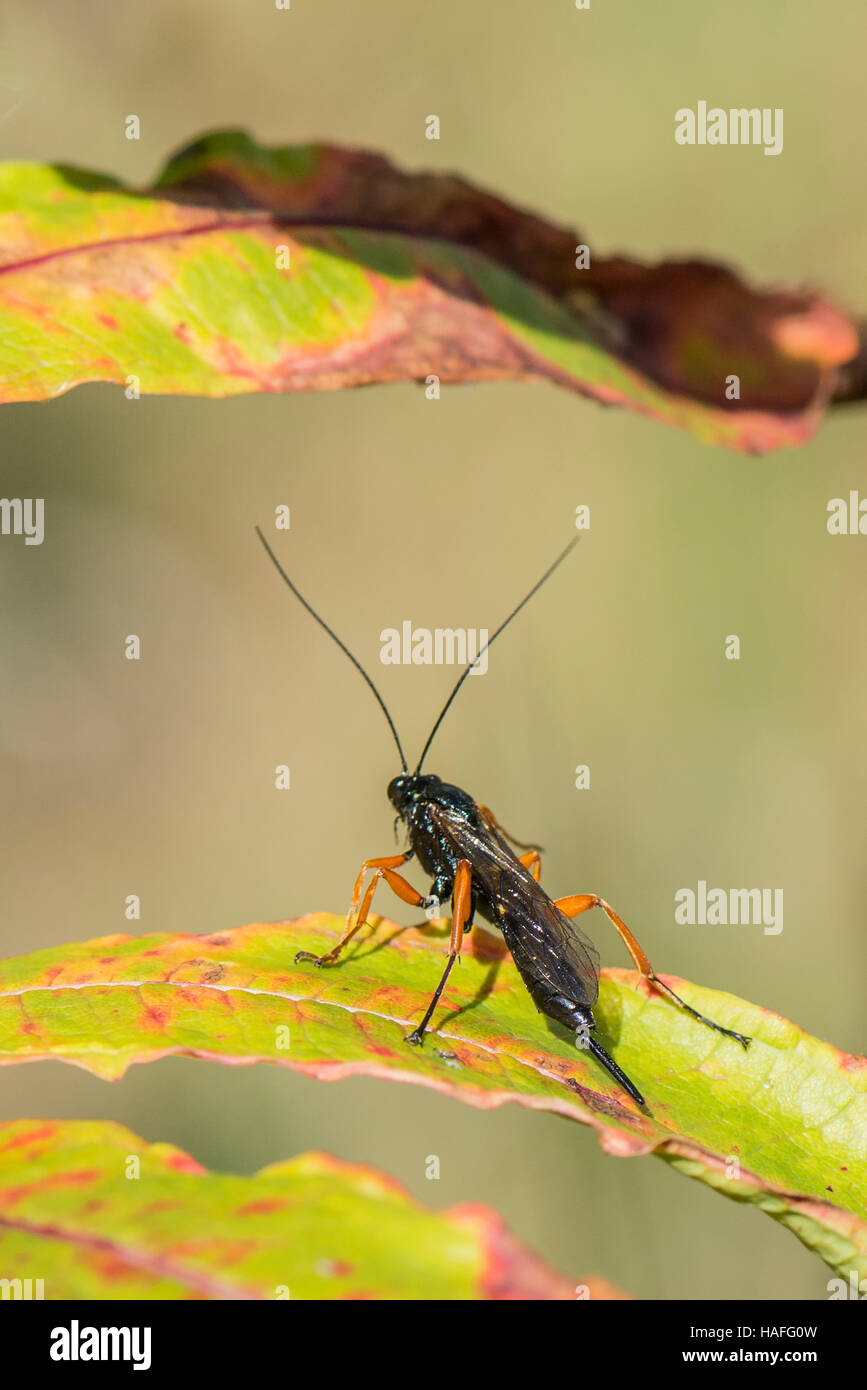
(93, 1211)
(315, 267)
(782, 1126)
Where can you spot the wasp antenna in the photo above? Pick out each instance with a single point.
(504, 624)
(342, 645)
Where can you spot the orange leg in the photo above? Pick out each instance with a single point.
(462, 903)
(532, 860)
(488, 813)
(580, 902)
(382, 869)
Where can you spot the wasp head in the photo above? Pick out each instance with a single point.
(405, 791)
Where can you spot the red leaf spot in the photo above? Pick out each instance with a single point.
(108, 320)
(15, 1194)
(264, 1204)
(334, 1269)
(232, 362)
(32, 1136)
(78, 1179)
(110, 1266)
(852, 1063)
(183, 1163)
(487, 947)
(154, 1019)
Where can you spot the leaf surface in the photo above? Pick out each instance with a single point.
(95, 1212)
(315, 267)
(782, 1126)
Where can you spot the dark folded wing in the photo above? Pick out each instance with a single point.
(540, 937)
(544, 941)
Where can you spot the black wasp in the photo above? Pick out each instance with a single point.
(469, 858)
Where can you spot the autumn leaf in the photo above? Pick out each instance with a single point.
(782, 1126)
(95, 1212)
(315, 267)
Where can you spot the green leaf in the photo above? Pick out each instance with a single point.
(316, 267)
(782, 1126)
(95, 1212)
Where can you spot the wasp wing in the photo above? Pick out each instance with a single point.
(542, 940)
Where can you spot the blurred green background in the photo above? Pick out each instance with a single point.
(156, 777)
